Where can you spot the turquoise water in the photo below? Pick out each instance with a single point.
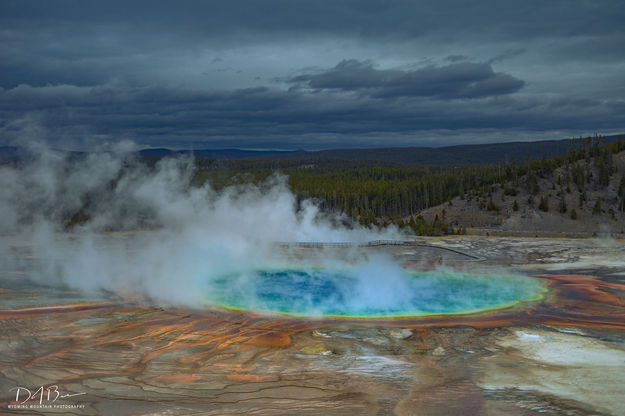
(346, 292)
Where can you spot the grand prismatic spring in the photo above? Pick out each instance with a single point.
(344, 293)
(523, 331)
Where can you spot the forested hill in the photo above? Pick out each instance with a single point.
(462, 155)
(587, 182)
(585, 185)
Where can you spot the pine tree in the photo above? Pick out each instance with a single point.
(621, 194)
(582, 199)
(597, 208)
(492, 207)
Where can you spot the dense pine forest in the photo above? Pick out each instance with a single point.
(374, 194)
(585, 185)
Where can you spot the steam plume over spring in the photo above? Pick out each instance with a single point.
(189, 232)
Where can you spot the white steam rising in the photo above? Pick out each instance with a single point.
(189, 233)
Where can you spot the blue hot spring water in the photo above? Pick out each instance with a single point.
(350, 293)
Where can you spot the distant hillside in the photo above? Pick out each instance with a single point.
(581, 191)
(218, 153)
(581, 195)
(462, 155)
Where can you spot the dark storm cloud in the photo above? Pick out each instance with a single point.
(294, 73)
(88, 42)
(460, 80)
(271, 118)
(366, 18)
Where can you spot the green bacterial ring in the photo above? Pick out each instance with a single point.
(345, 293)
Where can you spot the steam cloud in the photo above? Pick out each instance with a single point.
(189, 233)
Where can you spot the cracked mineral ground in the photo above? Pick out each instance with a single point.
(561, 353)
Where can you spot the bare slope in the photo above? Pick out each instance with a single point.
(564, 213)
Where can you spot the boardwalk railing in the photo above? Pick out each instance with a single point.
(376, 243)
(317, 244)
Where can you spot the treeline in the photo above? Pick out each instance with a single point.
(380, 192)
(384, 194)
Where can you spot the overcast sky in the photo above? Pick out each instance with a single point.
(293, 74)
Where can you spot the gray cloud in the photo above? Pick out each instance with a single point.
(265, 74)
(458, 80)
(266, 117)
(364, 18)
